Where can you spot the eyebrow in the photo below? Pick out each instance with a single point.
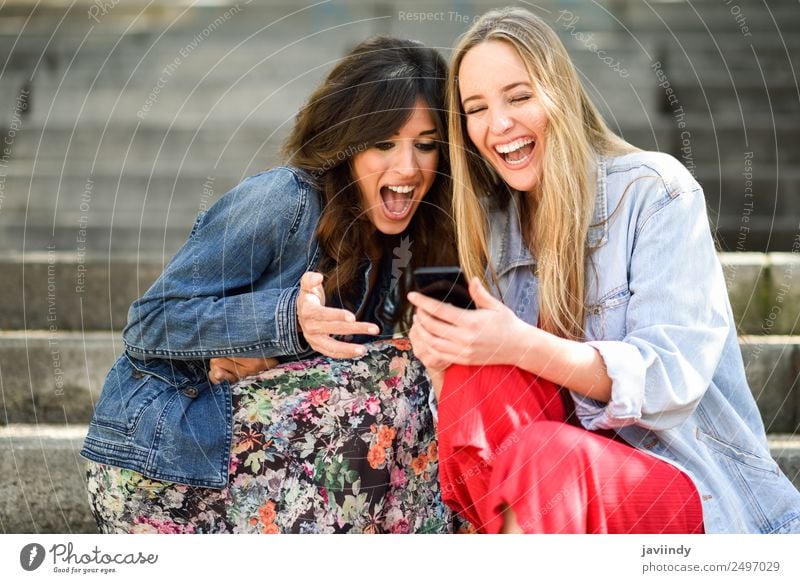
(425, 133)
(508, 87)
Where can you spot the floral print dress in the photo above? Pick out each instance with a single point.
(319, 446)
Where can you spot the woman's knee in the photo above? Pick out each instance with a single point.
(553, 440)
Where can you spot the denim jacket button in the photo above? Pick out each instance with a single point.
(190, 392)
(137, 374)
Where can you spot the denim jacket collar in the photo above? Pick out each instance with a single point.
(512, 250)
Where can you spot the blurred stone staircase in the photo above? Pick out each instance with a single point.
(115, 134)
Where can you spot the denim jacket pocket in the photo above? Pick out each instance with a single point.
(164, 420)
(126, 393)
(132, 386)
(735, 453)
(607, 316)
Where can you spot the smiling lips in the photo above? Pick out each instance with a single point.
(397, 200)
(516, 152)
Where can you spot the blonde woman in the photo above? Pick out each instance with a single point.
(612, 296)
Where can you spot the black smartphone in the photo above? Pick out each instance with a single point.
(446, 284)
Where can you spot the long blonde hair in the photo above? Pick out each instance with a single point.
(555, 217)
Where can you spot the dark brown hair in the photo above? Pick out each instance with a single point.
(368, 96)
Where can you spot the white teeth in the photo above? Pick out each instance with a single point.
(520, 161)
(515, 145)
(401, 189)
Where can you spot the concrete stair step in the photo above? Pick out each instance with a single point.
(723, 142)
(72, 291)
(269, 103)
(761, 286)
(764, 235)
(179, 18)
(43, 478)
(763, 291)
(737, 17)
(49, 196)
(126, 234)
(780, 100)
(147, 144)
(774, 192)
(56, 376)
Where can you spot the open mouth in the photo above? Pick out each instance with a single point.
(516, 152)
(397, 200)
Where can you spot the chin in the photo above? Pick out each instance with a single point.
(392, 229)
(521, 183)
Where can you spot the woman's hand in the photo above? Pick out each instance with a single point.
(319, 323)
(234, 369)
(421, 341)
(443, 334)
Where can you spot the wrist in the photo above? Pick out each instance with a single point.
(526, 343)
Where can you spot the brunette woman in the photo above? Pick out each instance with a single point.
(338, 443)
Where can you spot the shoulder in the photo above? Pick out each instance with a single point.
(642, 183)
(281, 182)
(283, 193)
(665, 171)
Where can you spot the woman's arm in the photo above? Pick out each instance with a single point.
(205, 304)
(493, 334)
(677, 323)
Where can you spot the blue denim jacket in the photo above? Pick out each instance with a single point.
(660, 316)
(229, 291)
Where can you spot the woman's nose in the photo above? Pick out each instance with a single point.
(500, 122)
(405, 163)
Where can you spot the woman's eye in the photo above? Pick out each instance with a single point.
(427, 146)
(383, 146)
(475, 109)
(520, 98)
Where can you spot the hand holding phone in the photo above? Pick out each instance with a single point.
(446, 284)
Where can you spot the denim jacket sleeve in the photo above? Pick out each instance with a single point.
(227, 291)
(677, 318)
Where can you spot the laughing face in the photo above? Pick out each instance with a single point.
(505, 120)
(395, 174)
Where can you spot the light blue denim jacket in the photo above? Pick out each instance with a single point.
(660, 316)
(229, 291)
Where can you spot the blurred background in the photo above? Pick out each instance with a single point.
(121, 120)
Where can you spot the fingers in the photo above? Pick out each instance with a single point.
(435, 326)
(245, 366)
(233, 369)
(481, 296)
(318, 328)
(319, 323)
(443, 311)
(444, 349)
(310, 280)
(330, 315)
(426, 347)
(337, 349)
(311, 284)
(219, 372)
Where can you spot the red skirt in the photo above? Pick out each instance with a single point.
(504, 441)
